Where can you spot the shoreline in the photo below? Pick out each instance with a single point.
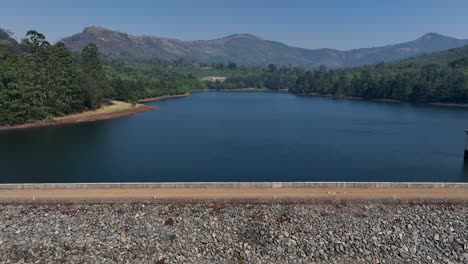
(89, 116)
(241, 90)
(76, 118)
(143, 108)
(452, 105)
(158, 98)
(352, 98)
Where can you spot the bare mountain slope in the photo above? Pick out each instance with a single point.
(251, 50)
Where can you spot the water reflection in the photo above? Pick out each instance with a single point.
(50, 152)
(465, 170)
(247, 137)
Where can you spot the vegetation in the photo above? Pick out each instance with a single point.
(42, 81)
(134, 79)
(138, 78)
(39, 80)
(272, 77)
(114, 107)
(441, 77)
(32, 85)
(250, 50)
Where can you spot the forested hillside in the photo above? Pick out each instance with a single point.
(139, 78)
(39, 80)
(247, 49)
(440, 77)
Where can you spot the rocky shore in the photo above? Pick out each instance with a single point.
(163, 97)
(308, 232)
(85, 117)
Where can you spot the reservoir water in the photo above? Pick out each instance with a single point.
(247, 136)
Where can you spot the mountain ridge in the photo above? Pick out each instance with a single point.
(248, 49)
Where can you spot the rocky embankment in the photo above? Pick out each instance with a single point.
(341, 232)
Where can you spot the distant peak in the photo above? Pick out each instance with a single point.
(431, 36)
(239, 36)
(95, 29)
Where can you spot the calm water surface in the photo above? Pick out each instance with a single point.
(247, 136)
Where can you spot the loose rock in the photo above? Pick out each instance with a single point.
(322, 232)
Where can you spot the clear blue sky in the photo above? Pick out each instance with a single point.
(344, 24)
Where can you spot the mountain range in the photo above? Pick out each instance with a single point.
(248, 49)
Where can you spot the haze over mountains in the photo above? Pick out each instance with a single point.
(247, 49)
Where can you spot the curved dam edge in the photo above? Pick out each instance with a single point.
(175, 185)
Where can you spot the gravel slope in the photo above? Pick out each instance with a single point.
(320, 232)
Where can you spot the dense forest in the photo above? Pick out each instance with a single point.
(39, 80)
(441, 77)
(270, 77)
(148, 78)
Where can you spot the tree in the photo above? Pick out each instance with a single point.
(232, 66)
(5, 33)
(272, 67)
(96, 86)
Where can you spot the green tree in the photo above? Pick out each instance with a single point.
(96, 87)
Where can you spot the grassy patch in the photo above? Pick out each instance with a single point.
(114, 107)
